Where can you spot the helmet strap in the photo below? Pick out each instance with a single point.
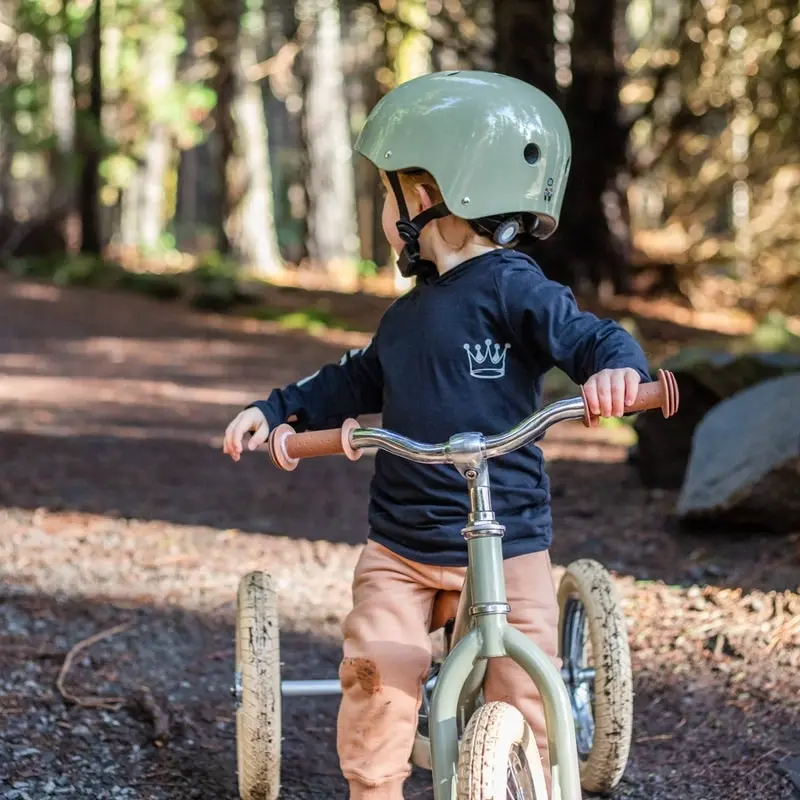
(410, 261)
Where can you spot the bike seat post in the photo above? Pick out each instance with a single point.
(484, 536)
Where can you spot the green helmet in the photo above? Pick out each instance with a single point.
(497, 147)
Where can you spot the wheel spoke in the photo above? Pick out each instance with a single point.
(519, 783)
(578, 677)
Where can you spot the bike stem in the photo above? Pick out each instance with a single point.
(484, 535)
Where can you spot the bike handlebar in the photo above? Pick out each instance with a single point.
(286, 447)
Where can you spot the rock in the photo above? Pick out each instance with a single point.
(705, 377)
(662, 449)
(744, 466)
(790, 766)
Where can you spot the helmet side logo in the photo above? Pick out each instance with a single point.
(548, 190)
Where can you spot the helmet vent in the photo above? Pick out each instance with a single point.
(531, 153)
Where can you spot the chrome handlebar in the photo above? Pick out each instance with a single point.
(463, 447)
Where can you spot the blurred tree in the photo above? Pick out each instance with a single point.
(159, 65)
(258, 236)
(222, 20)
(568, 51)
(409, 45)
(61, 110)
(524, 42)
(243, 169)
(8, 74)
(332, 237)
(150, 116)
(718, 95)
(594, 224)
(87, 80)
(368, 71)
(683, 116)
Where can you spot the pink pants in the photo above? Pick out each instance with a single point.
(387, 656)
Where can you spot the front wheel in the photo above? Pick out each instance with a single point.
(258, 689)
(593, 645)
(498, 758)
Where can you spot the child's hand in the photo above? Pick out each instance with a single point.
(611, 390)
(250, 420)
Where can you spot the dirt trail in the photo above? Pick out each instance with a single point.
(116, 506)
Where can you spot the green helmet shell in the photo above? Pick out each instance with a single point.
(494, 144)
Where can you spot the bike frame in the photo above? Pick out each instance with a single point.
(481, 627)
(482, 632)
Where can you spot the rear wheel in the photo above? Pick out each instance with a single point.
(593, 645)
(258, 689)
(498, 758)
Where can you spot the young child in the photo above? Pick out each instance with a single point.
(472, 162)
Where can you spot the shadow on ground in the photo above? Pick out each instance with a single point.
(185, 658)
(627, 527)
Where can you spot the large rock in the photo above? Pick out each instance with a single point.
(744, 466)
(705, 376)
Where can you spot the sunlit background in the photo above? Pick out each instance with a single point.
(183, 226)
(167, 134)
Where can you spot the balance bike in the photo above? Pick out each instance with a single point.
(475, 750)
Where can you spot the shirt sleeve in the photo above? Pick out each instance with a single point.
(352, 387)
(544, 316)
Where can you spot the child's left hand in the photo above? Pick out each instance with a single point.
(611, 390)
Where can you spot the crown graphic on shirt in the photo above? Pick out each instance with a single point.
(487, 362)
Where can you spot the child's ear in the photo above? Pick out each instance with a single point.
(424, 197)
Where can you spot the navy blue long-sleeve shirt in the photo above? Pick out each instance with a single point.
(464, 351)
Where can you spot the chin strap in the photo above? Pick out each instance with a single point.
(410, 262)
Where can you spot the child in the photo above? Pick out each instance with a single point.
(473, 162)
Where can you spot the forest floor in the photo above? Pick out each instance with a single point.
(117, 508)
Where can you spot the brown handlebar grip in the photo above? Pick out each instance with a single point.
(662, 393)
(286, 447)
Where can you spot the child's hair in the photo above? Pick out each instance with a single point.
(457, 232)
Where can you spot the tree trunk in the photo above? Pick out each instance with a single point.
(131, 207)
(594, 231)
(412, 57)
(524, 49)
(8, 65)
(330, 183)
(524, 41)
(6, 148)
(591, 243)
(258, 241)
(88, 128)
(186, 211)
(61, 94)
(244, 179)
(161, 58)
(186, 217)
(222, 19)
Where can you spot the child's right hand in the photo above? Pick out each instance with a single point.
(251, 420)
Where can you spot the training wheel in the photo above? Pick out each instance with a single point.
(257, 688)
(593, 646)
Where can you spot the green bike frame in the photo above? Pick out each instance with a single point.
(481, 628)
(481, 632)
